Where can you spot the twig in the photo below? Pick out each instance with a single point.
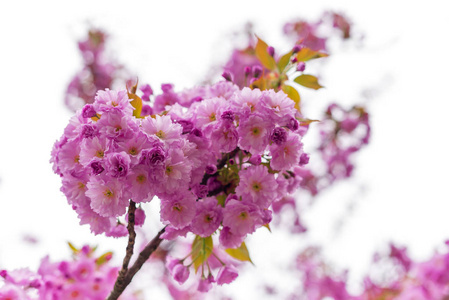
(126, 275)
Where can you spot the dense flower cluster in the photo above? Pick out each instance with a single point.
(217, 157)
(83, 277)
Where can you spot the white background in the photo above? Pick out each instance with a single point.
(402, 173)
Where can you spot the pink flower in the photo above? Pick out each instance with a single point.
(117, 164)
(69, 157)
(277, 105)
(224, 138)
(162, 127)
(208, 113)
(176, 173)
(254, 133)
(227, 274)
(208, 217)
(108, 100)
(178, 210)
(286, 155)
(98, 224)
(229, 239)
(94, 148)
(134, 146)
(247, 101)
(10, 291)
(108, 196)
(117, 125)
(241, 218)
(83, 270)
(257, 185)
(140, 185)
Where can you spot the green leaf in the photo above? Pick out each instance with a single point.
(241, 253)
(104, 258)
(306, 54)
(201, 250)
(293, 94)
(73, 248)
(262, 54)
(284, 60)
(308, 81)
(221, 199)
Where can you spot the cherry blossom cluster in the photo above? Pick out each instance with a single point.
(217, 157)
(244, 66)
(401, 277)
(85, 276)
(315, 35)
(98, 72)
(343, 132)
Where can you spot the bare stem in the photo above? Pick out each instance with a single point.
(126, 275)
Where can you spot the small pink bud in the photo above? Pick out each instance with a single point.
(211, 169)
(296, 49)
(247, 71)
(227, 75)
(88, 111)
(301, 66)
(270, 51)
(257, 70)
(256, 160)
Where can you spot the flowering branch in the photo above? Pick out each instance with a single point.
(126, 275)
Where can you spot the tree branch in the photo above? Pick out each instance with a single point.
(126, 275)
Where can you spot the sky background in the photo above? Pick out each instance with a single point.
(399, 190)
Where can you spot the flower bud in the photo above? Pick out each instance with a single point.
(88, 111)
(227, 75)
(301, 66)
(296, 49)
(247, 71)
(257, 71)
(211, 169)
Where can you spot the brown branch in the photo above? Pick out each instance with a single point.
(220, 164)
(125, 277)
